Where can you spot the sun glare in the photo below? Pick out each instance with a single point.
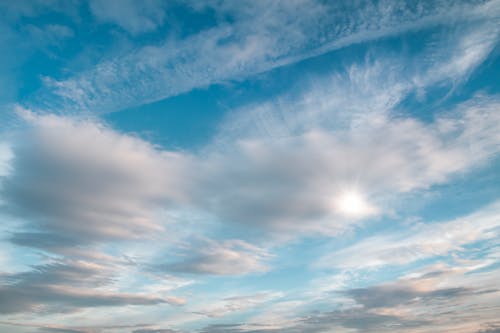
(353, 204)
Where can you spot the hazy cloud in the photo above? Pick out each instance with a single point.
(133, 16)
(66, 286)
(230, 257)
(238, 303)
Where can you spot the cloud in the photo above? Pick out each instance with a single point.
(157, 330)
(278, 183)
(49, 35)
(65, 286)
(391, 296)
(15, 10)
(429, 300)
(135, 17)
(79, 182)
(40, 327)
(252, 43)
(153, 330)
(6, 156)
(229, 257)
(438, 294)
(361, 91)
(364, 96)
(340, 321)
(60, 330)
(106, 218)
(461, 53)
(238, 304)
(418, 242)
(490, 330)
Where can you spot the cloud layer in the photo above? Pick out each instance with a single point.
(339, 173)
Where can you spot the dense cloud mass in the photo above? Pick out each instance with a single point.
(249, 167)
(79, 180)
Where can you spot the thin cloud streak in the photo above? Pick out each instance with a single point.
(254, 43)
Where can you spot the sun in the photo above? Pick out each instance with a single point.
(352, 203)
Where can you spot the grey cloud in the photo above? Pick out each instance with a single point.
(361, 320)
(231, 257)
(65, 286)
(238, 304)
(394, 307)
(393, 295)
(22, 298)
(39, 327)
(222, 328)
(152, 330)
(67, 272)
(79, 183)
(52, 242)
(492, 329)
(439, 297)
(326, 321)
(61, 330)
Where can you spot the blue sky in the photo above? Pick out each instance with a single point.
(249, 166)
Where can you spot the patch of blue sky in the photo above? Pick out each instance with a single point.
(184, 122)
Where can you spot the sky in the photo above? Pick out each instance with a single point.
(250, 166)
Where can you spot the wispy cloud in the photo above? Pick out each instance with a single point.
(238, 304)
(67, 286)
(260, 38)
(132, 16)
(418, 242)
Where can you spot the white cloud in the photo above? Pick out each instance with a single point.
(461, 52)
(418, 242)
(111, 185)
(366, 91)
(344, 99)
(133, 16)
(261, 37)
(281, 183)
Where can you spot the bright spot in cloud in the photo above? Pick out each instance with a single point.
(353, 204)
